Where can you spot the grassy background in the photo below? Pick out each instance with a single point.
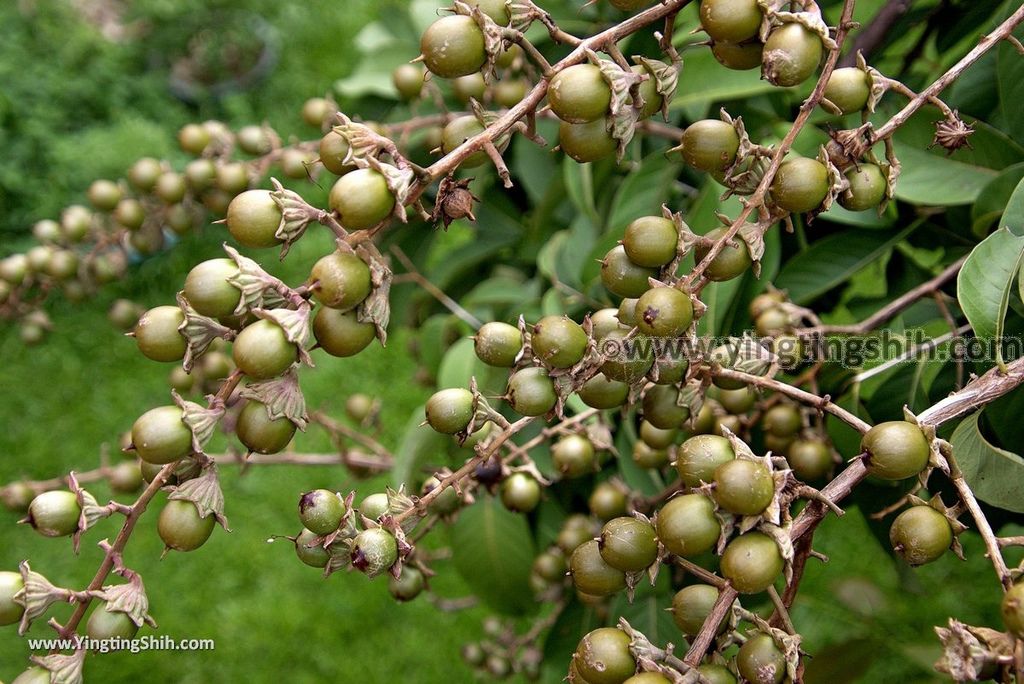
(75, 107)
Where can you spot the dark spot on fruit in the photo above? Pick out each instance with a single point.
(650, 315)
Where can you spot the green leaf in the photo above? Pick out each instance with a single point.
(991, 203)
(418, 446)
(983, 285)
(575, 621)
(432, 339)
(459, 364)
(930, 179)
(704, 81)
(994, 475)
(1013, 213)
(990, 148)
(579, 184)
(637, 478)
(1010, 76)
(642, 192)
(492, 549)
(832, 261)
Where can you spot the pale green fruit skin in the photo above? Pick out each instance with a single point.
(699, 456)
(896, 450)
(800, 185)
(343, 280)
(104, 624)
(10, 584)
(181, 528)
(253, 219)
(362, 199)
(208, 291)
(920, 535)
(867, 188)
(340, 333)
(603, 657)
(730, 20)
(761, 661)
(848, 89)
(1012, 609)
(579, 94)
(160, 436)
(33, 675)
(791, 55)
(591, 574)
(450, 58)
(687, 525)
(262, 350)
(263, 435)
(752, 562)
(691, 606)
(587, 142)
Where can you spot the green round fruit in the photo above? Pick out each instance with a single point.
(308, 551)
(334, 151)
(700, 456)
(710, 145)
(408, 81)
(764, 302)
(259, 432)
(453, 46)
(193, 139)
(591, 574)
(315, 111)
(253, 140)
(340, 333)
(458, 131)
(558, 341)
(233, 178)
(603, 657)
(55, 513)
(587, 142)
(626, 314)
(920, 535)
(520, 493)
(731, 20)
(450, 410)
(649, 458)
(687, 525)
(160, 436)
(208, 290)
(761, 661)
(321, 511)
(550, 565)
(716, 674)
(733, 261)
(445, 503)
(181, 528)
(602, 393)
(157, 334)
(800, 185)
(622, 277)
(469, 87)
(625, 361)
(661, 408)
(782, 420)
(531, 392)
(262, 350)
(607, 501)
(573, 456)
(497, 10)
(109, 624)
(130, 214)
(14, 268)
(895, 450)
(10, 584)
(498, 344)
(340, 280)
(253, 219)
(509, 93)
(664, 312)
(653, 100)
(667, 369)
(576, 529)
(737, 401)
(408, 585)
(63, 264)
(692, 605)
(579, 94)
(655, 437)
(628, 544)
(751, 562)
(295, 163)
(1012, 609)
(170, 187)
(362, 199)
(738, 56)
(848, 89)
(810, 459)
(743, 487)
(867, 188)
(46, 231)
(651, 241)
(772, 323)
(648, 678)
(374, 505)
(374, 551)
(143, 174)
(791, 55)
(104, 194)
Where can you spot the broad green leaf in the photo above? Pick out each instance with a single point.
(860, 219)
(548, 256)
(575, 621)
(459, 365)
(939, 181)
(995, 475)
(433, 337)
(419, 446)
(492, 549)
(571, 261)
(642, 192)
(991, 203)
(990, 148)
(1013, 213)
(579, 184)
(701, 214)
(534, 167)
(501, 290)
(647, 611)
(832, 261)
(983, 285)
(1010, 76)
(704, 82)
(634, 476)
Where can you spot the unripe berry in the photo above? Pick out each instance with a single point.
(867, 188)
(181, 528)
(848, 89)
(920, 535)
(751, 562)
(374, 505)
(160, 436)
(761, 661)
(104, 195)
(233, 179)
(710, 145)
(895, 450)
(130, 214)
(800, 185)
(573, 456)
(340, 333)
(587, 142)
(374, 551)
(738, 56)
(531, 392)
(687, 525)
(362, 199)
(10, 584)
(253, 140)
(450, 410)
(143, 174)
(1012, 609)
(312, 555)
(498, 344)
(193, 138)
(591, 573)
(731, 20)
(810, 459)
(469, 87)
(125, 478)
(453, 46)
(579, 94)
(408, 81)
(626, 360)
(602, 393)
(691, 606)
(253, 219)
(208, 291)
(603, 657)
(315, 111)
(520, 493)
(661, 407)
(717, 674)
(663, 312)
(576, 529)
(558, 341)
(607, 501)
(743, 487)
(651, 241)
(655, 437)
(733, 261)
(649, 458)
(791, 55)
(342, 280)
(700, 456)
(109, 624)
(406, 586)
(447, 502)
(262, 350)
(628, 544)
(259, 432)
(321, 511)
(170, 187)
